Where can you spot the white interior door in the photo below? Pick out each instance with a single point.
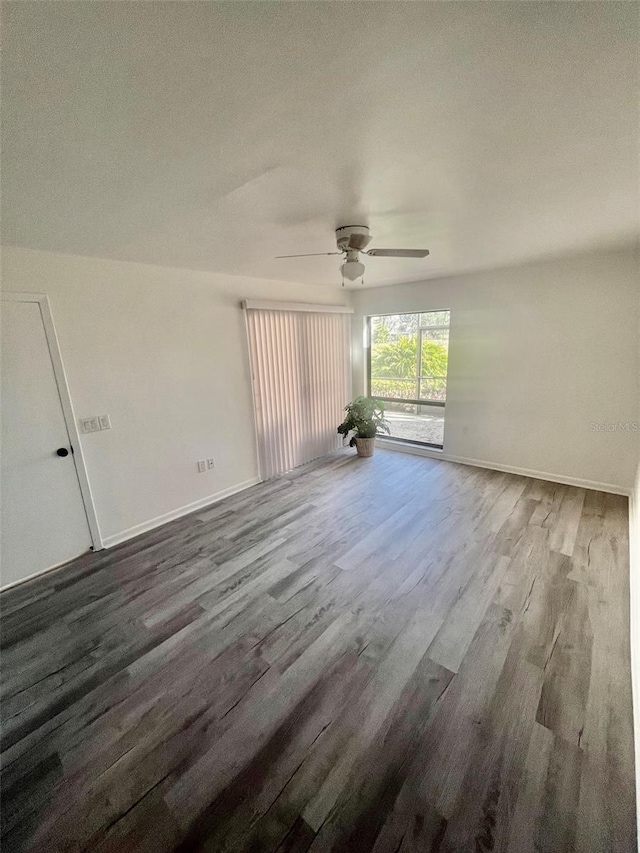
(43, 516)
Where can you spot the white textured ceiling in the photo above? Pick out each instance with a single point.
(216, 135)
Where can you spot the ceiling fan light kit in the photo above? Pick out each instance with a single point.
(352, 269)
(352, 240)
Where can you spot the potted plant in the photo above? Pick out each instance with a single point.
(364, 420)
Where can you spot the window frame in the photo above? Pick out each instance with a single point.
(369, 348)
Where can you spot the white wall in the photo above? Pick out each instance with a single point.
(634, 532)
(538, 353)
(163, 351)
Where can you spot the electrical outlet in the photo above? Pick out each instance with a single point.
(211, 463)
(104, 421)
(201, 466)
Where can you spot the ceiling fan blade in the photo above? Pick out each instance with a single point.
(312, 255)
(398, 253)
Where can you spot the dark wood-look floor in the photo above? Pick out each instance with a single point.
(391, 654)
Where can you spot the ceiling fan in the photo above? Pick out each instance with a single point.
(352, 241)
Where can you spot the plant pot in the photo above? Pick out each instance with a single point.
(365, 446)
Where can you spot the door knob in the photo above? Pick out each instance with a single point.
(62, 451)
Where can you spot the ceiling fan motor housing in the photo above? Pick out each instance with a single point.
(352, 237)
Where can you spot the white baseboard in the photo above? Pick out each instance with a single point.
(123, 536)
(42, 572)
(131, 532)
(434, 453)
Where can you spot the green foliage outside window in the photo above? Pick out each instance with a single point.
(394, 366)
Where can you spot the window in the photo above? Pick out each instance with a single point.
(407, 368)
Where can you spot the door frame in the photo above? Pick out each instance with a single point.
(42, 300)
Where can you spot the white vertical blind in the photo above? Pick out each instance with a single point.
(301, 369)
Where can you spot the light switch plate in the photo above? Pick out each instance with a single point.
(211, 463)
(104, 421)
(201, 466)
(89, 425)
